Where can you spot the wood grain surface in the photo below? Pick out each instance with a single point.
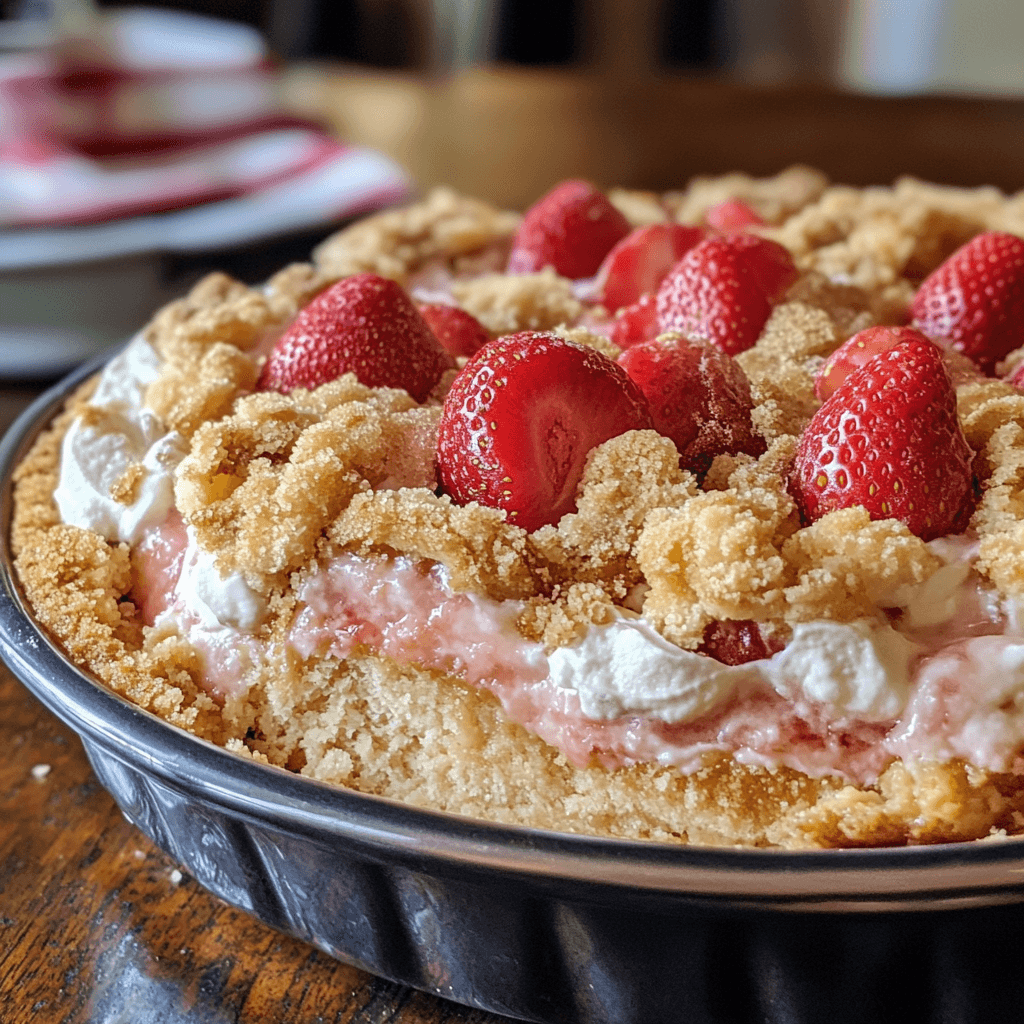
(98, 926)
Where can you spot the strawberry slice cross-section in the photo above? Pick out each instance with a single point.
(521, 418)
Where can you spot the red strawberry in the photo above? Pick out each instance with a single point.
(522, 416)
(364, 325)
(856, 351)
(975, 300)
(723, 289)
(889, 439)
(770, 263)
(635, 323)
(460, 333)
(737, 641)
(637, 264)
(698, 397)
(571, 229)
(732, 215)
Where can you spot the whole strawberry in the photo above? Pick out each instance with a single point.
(723, 290)
(521, 418)
(975, 300)
(459, 332)
(698, 397)
(365, 325)
(889, 439)
(571, 229)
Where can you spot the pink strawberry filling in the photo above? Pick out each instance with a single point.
(157, 561)
(405, 611)
(156, 566)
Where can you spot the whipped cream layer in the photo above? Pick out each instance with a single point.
(118, 435)
(938, 675)
(627, 668)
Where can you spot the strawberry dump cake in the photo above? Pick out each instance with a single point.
(695, 517)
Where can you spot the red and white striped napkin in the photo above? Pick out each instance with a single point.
(179, 111)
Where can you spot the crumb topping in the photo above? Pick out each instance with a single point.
(397, 242)
(639, 208)
(261, 485)
(523, 302)
(774, 199)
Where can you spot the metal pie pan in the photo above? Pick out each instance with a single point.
(538, 925)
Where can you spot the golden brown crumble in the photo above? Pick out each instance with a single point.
(886, 240)
(261, 485)
(126, 487)
(639, 208)
(582, 336)
(275, 485)
(398, 242)
(525, 302)
(624, 479)
(774, 199)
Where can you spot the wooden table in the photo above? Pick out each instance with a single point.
(96, 924)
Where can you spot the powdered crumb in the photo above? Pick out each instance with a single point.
(774, 199)
(523, 302)
(397, 242)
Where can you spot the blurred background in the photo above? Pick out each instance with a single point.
(141, 146)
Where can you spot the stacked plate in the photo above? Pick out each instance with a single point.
(130, 165)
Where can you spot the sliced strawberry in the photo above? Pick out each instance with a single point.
(698, 397)
(732, 215)
(571, 229)
(521, 418)
(889, 439)
(723, 290)
(636, 323)
(460, 333)
(856, 351)
(637, 264)
(364, 325)
(974, 301)
(737, 641)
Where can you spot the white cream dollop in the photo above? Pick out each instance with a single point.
(216, 600)
(859, 669)
(117, 433)
(625, 667)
